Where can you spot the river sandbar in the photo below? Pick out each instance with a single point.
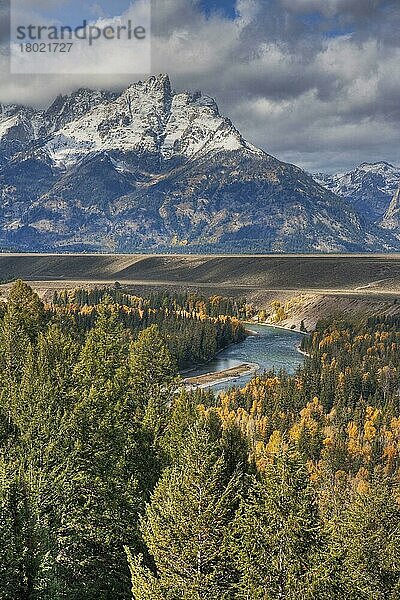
(210, 379)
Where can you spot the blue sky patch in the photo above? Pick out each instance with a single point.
(224, 7)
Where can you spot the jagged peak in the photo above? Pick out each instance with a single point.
(371, 165)
(147, 117)
(81, 93)
(159, 82)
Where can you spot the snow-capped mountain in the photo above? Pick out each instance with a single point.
(146, 118)
(65, 109)
(369, 187)
(150, 169)
(18, 127)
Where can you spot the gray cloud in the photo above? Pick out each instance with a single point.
(4, 22)
(331, 8)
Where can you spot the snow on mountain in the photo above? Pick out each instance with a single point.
(18, 127)
(369, 187)
(150, 168)
(148, 118)
(69, 108)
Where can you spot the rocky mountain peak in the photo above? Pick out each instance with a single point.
(379, 166)
(152, 168)
(69, 107)
(152, 96)
(369, 187)
(155, 88)
(147, 117)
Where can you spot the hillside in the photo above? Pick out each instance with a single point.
(352, 273)
(391, 219)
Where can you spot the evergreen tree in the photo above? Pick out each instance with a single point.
(185, 527)
(27, 304)
(28, 546)
(182, 416)
(151, 363)
(14, 345)
(104, 354)
(106, 477)
(367, 537)
(153, 378)
(277, 533)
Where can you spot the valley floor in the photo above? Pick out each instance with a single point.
(319, 284)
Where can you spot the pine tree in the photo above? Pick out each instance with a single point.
(367, 537)
(104, 481)
(277, 533)
(153, 378)
(183, 415)
(28, 547)
(27, 304)
(151, 363)
(104, 354)
(185, 527)
(14, 345)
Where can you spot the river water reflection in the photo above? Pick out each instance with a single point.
(271, 348)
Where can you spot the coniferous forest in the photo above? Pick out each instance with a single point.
(116, 484)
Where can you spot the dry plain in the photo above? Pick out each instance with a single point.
(368, 283)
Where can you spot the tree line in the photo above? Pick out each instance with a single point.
(194, 328)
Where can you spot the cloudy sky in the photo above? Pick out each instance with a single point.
(313, 82)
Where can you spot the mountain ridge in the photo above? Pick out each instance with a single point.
(368, 187)
(151, 168)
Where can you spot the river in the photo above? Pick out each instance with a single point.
(271, 348)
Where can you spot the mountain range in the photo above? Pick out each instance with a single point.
(369, 187)
(150, 169)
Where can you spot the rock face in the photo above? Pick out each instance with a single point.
(369, 187)
(391, 219)
(151, 169)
